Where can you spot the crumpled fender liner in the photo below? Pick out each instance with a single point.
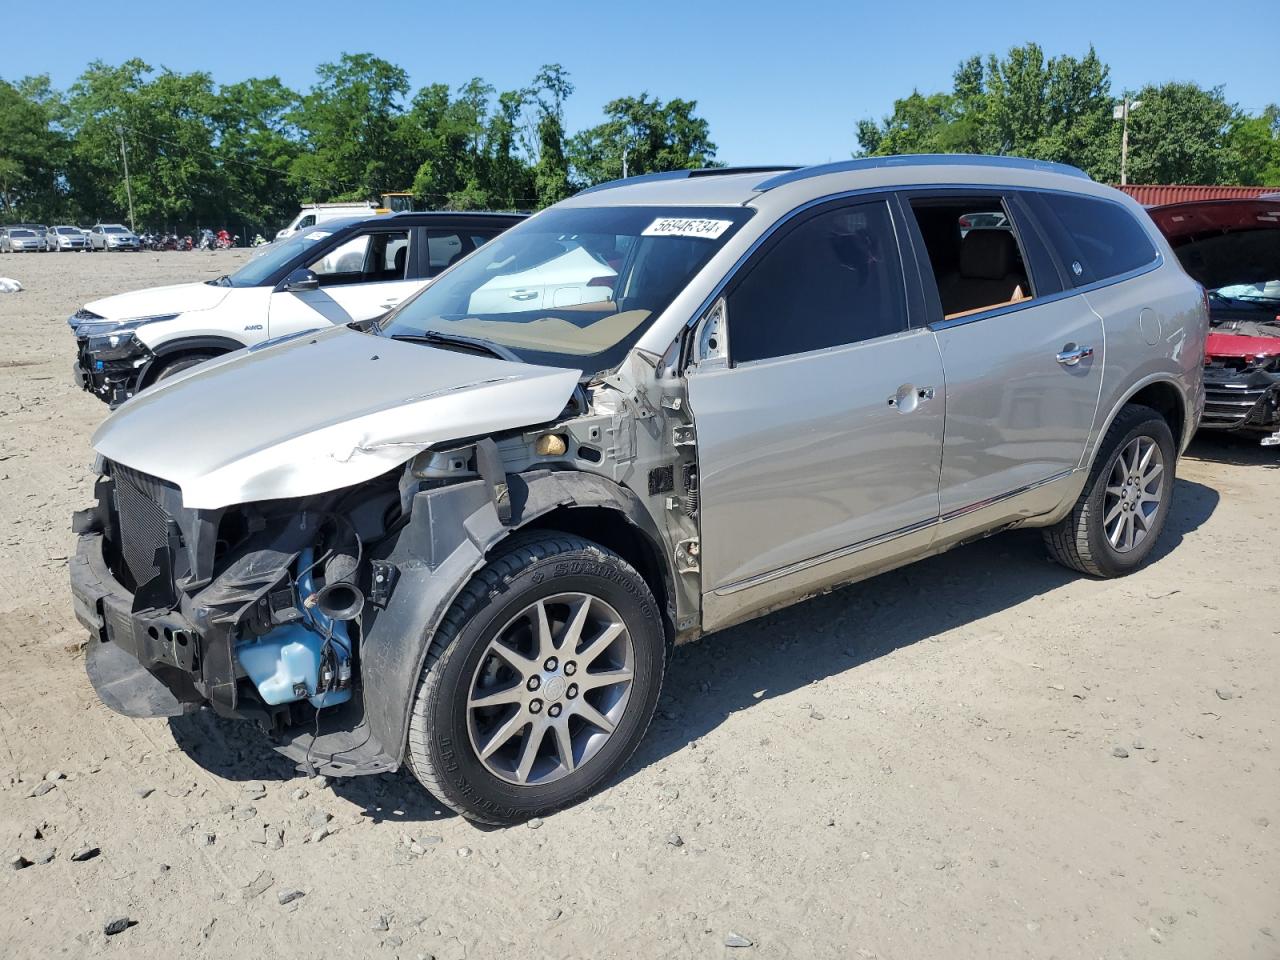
(448, 538)
(258, 566)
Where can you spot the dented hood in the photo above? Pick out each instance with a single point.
(174, 298)
(318, 412)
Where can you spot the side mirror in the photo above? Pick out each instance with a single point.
(300, 280)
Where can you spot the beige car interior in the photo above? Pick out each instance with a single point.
(977, 268)
(555, 334)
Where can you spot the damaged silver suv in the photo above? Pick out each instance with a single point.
(465, 537)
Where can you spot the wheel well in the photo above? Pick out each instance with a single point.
(165, 359)
(611, 529)
(1164, 398)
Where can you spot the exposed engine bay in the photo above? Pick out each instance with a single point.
(1232, 248)
(285, 611)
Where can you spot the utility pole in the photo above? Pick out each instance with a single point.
(128, 189)
(1121, 112)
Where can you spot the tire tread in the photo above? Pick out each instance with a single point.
(1068, 540)
(515, 555)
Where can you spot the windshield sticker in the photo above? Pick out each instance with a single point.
(317, 235)
(686, 227)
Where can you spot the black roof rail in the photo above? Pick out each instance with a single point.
(921, 159)
(685, 175)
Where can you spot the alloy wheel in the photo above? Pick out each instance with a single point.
(550, 689)
(1133, 494)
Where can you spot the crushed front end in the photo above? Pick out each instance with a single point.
(250, 610)
(1242, 381)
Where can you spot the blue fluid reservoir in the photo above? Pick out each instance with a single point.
(285, 664)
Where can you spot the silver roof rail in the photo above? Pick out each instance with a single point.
(921, 159)
(686, 174)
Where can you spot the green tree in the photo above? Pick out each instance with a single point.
(650, 135)
(1253, 148)
(165, 125)
(1022, 104)
(1179, 135)
(551, 88)
(32, 154)
(256, 147)
(349, 125)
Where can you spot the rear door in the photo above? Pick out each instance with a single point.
(1022, 375)
(822, 433)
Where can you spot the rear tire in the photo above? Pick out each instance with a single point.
(547, 700)
(1121, 512)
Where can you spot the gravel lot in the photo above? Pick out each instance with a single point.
(983, 755)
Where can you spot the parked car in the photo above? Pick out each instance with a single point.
(314, 214)
(344, 271)
(465, 537)
(21, 240)
(67, 238)
(1232, 247)
(112, 236)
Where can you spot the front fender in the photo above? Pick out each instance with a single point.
(451, 532)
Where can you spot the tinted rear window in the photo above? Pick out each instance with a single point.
(1097, 239)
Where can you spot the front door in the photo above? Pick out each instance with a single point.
(823, 432)
(361, 278)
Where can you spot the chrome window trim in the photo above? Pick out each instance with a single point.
(801, 565)
(889, 191)
(902, 270)
(769, 232)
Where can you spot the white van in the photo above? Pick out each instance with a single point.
(314, 213)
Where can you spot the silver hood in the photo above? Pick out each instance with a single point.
(318, 412)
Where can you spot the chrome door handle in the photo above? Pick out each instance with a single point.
(524, 294)
(1071, 354)
(908, 397)
(389, 304)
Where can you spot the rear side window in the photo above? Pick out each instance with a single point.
(1097, 239)
(834, 279)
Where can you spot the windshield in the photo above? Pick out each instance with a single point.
(21, 233)
(1266, 292)
(115, 229)
(261, 268)
(73, 230)
(573, 287)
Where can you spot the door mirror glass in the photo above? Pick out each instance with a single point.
(300, 280)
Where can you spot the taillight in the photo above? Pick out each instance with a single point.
(603, 282)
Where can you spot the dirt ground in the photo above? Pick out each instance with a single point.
(983, 755)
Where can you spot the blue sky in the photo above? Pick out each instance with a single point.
(779, 82)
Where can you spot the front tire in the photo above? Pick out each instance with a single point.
(179, 364)
(540, 681)
(1122, 510)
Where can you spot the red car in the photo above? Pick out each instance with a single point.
(1232, 247)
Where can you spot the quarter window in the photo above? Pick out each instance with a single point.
(834, 279)
(1097, 239)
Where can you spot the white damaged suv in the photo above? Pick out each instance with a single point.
(342, 271)
(465, 537)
